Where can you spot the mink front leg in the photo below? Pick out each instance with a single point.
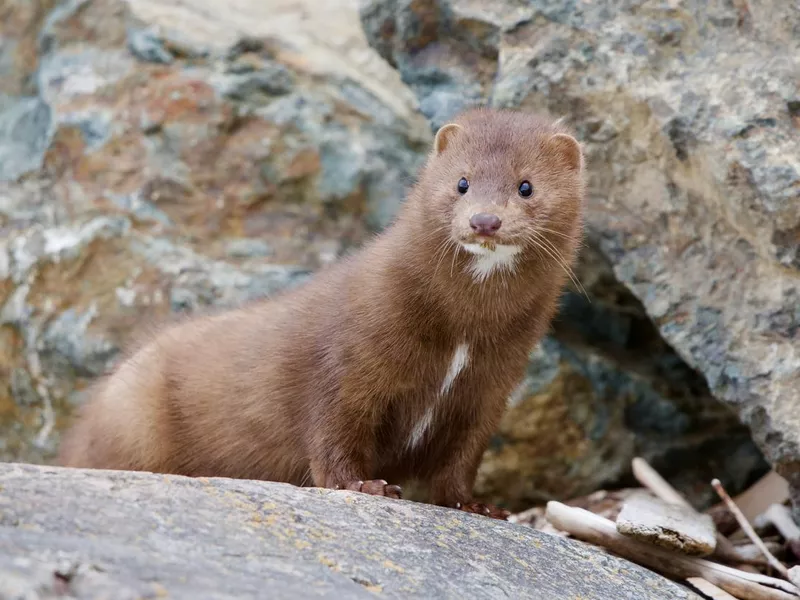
(342, 451)
(452, 483)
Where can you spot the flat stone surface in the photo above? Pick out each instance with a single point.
(139, 535)
(668, 525)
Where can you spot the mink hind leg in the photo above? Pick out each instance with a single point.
(117, 427)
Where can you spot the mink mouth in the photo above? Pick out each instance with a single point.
(488, 247)
(487, 243)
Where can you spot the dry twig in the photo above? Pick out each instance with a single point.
(748, 529)
(595, 529)
(770, 489)
(755, 500)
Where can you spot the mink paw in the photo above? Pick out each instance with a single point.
(487, 510)
(374, 487)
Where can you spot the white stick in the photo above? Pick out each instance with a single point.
(598, 530)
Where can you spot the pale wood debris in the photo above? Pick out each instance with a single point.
(671, 526)
(659, 529)
(597, 530)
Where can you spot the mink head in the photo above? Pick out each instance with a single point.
(503, 185)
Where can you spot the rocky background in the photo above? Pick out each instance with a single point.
(159, 157)
(690, 112)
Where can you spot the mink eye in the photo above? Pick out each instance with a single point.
(463, 186)
(525, 189)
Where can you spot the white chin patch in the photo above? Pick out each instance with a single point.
(486, 261)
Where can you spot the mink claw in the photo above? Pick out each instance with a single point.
(394, 491)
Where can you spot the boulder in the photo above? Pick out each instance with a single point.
(139, 535)
(159, 159)
(165, 158)
(689, 112)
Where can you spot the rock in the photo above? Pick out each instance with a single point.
(672, 526)
(689, 121)
(156, 160)
(25, 125)
(146, 535)
(196, 157)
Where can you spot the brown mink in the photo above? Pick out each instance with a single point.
(395, 363)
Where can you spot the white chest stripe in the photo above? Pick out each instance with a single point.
(457, 364)
(460, 360)
(418, 433)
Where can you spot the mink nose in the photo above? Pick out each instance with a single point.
(485, 223)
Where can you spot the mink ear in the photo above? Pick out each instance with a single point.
(445, 135)
(568, 150)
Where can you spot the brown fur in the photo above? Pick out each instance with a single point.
(324, 383)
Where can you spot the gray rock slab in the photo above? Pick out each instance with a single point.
(101, 534)
(668, 525)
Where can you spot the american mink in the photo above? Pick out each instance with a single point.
(392, 364)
